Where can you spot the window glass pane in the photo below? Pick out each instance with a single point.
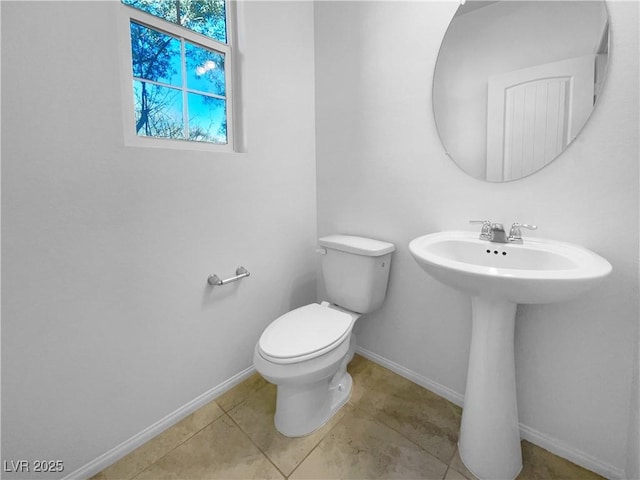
(207, 119)
(158, 110)
(205, 70)
(166, 9)
(155, 56)
(206, 17)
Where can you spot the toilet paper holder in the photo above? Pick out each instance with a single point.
(215, 281)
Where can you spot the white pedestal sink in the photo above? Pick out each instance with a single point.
(498, 276)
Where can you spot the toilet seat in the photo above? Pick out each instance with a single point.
(304, 333)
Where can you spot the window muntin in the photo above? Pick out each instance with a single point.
(180, 79)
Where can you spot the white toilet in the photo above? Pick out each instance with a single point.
(305, 352)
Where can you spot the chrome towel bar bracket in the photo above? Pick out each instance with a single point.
(214, 280)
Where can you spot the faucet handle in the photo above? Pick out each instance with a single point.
(515, 234)
(485, 232)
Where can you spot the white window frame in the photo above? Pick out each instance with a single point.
(131, 138)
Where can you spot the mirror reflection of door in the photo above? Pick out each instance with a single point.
(534, 57)
(534, 113)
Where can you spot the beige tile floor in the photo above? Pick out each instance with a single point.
(391, 428)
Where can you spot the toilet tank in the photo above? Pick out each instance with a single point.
(356, 270)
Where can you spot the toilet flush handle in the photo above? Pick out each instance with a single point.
(321, 251)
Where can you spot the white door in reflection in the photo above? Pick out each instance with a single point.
(534, 113)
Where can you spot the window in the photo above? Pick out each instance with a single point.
(178, 73)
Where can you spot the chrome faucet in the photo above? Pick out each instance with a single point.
(515, 235)
(485, 232)
(494, 232)
(498, 234)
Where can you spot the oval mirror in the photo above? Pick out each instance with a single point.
(515, 82)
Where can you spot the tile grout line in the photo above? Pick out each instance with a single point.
(267, 456)
(323, 437)
(382, 422)
(179, 444)
(355, 405)
(254, 443)
(243, 400)
(358, 405)
(449, 467)
(407, 438)
(226, 413)
(245, 433)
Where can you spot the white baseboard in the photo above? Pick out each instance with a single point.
(128, 446)
(553, 445)
(544, 441)
(572, 454)
(435, 387)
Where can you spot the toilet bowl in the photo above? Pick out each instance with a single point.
(308, 363)
(305, 352)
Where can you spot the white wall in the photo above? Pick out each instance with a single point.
(633, 446)
(382, 172)
(108, 324)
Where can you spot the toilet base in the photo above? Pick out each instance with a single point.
(302, 411)
(309, 393)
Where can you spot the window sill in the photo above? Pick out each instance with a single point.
(171, 144)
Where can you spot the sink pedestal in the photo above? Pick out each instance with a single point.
(499, 276)
(489, 442)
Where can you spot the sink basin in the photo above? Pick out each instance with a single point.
(536, 271)
(498, 276)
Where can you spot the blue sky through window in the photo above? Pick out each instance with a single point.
(155, 56)
(207, 17)
(179, 86)
(205, 70)
(162, 115)
(207, 118)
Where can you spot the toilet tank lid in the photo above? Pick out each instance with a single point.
(358, 245)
